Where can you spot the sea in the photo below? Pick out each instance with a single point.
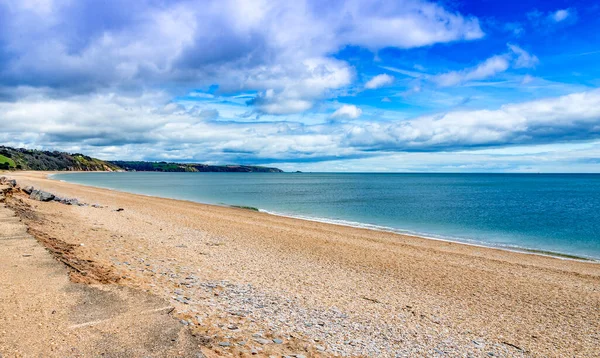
(554, 214)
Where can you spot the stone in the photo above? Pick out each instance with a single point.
(225, 344)
(70, 201)
(262, 340)
(28, 189)
(41, 195)
(277, 341)
(12, 183)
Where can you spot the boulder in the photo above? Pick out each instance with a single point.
(41, 195)
(70, 201)
(12, 183)
(28, 189)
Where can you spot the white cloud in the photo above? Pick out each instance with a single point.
(140, 127)
(560, 15)
(488, 68)
(524, 59)
(517, 58)
(547, 20)
(527, 79)
(571, 117)
(284, 46)
(347, 111)
(379, 81)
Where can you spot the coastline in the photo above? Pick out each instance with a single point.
(367, 226)
(351, 291)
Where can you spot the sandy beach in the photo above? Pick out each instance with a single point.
(250, 283)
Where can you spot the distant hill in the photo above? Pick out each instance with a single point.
(26, 159)
(186, 167)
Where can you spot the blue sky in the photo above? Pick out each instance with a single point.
(409, 85)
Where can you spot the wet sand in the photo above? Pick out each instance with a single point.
(238, 276)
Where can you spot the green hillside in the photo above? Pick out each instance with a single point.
(6, 163)
(27, 159)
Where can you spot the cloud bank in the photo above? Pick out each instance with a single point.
(133, 127)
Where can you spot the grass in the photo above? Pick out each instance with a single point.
(10, 162)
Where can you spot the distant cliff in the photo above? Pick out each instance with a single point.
(186, 167)
(27, 159)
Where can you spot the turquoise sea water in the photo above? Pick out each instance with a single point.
(548, 212)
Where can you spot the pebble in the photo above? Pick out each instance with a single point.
(277, 341)
(225, 344)
(262, 340)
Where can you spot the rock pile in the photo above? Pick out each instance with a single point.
(41, 195)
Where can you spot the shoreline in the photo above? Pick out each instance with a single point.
(367, 226)
(244, 280)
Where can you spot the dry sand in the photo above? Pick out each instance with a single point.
(243, 280)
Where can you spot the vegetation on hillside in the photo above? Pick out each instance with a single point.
(27, 159)
(6, 163)
(187, 167)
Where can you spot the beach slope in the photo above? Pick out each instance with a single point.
(248, 282)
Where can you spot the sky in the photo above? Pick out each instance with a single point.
(357, 85)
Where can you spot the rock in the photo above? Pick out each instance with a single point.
(262, 340)
(28, 189)
(96, 206)
(277, 341)
(70, 201)
(119, 209)
(41, 195)
(254, 351)
(225, 344)
(320, 348)
(12, 183)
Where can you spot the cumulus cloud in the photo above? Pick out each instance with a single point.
(347, 111)
(560, 15)
(120, 127)
(490, 67)
(284, 47)
(379, 81)
(516, 57)
(553, 18)
(523, 58)
(567, 118)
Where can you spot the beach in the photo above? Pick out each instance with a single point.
(250, 283)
